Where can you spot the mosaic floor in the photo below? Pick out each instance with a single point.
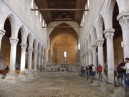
(55, 84)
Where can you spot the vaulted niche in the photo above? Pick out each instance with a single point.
(63, 38)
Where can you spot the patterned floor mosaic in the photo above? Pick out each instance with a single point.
(55, 84)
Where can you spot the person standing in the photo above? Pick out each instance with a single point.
(99, 71)
(93, 71)
(126, 67)
(121, 72)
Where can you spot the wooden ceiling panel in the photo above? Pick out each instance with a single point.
(62, 15)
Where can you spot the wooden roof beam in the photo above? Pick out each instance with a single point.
(52, 9)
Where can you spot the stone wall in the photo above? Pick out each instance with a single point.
(24, 16)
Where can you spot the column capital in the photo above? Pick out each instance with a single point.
(23, 46)
(100, 42)
(109, 33)
(14, 41)
(2, 33)
(94, 46)
(30, 49)
(35, 52)
(89, 51)
(86, 53)
(124, 20)
(39, 52)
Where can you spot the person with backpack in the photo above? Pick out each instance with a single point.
(121, 73)
(99, 71)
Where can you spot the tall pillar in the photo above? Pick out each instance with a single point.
(13, 42)
(87, 62)
(124, 22)
(35, 60)
(42, 62)
(90, 56)
(30, 50)
(23, 57)
(94, 54)
(100, 52)
(39, 60)
(2, 33)
(109, 33)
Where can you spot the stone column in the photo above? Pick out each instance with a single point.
(42, 62)
(90, 56)
(13, 42)
(39, 60)
(83, 60)
(30, 50)
(23, 57)
(124, 22)
(35, 60)
(94, 54)
(109, 33)
(100, 52)
(2, 33)
(87, 62)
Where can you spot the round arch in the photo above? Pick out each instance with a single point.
(109, 15)
(93, 35)
(13, 23)
(71, 24)
(101, 23)
(89, 41)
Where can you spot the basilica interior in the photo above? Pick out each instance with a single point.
(46, 47)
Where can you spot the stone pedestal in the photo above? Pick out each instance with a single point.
(11, 78)
(22, 77)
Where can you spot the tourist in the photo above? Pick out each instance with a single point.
(93, 71)
(121, 73)
(90, 69)
(99, 71)
(86, 70)
(126, 67)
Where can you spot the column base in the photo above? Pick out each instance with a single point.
(30, 76)
(22, 76)
(107, 87)
(110, 78)
(11, 78)
(36, 75)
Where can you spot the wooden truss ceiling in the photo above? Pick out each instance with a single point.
(62, 15)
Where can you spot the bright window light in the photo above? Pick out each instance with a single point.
(32, 4)
(40, 18)
(88, 2)
(122, 44)
(65, 54)
(36, 11)
(79, 46)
